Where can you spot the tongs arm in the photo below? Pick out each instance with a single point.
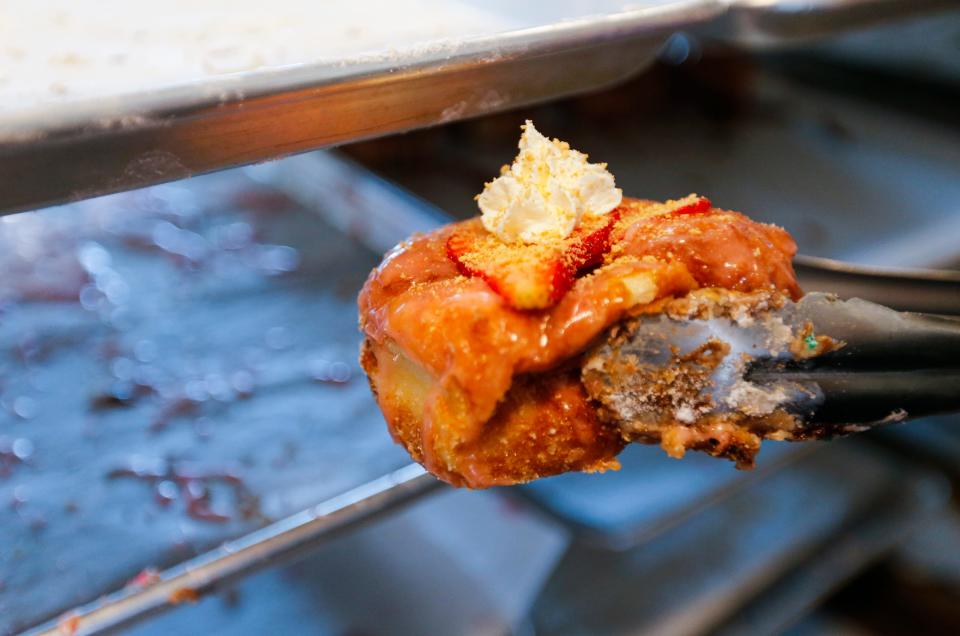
(892, 365)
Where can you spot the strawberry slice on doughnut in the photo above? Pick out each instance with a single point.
(535, 276)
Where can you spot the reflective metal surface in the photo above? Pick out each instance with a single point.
(282, 540)
(86, 149)
(180, 370)
(751, 562)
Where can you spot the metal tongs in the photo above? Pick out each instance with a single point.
(836, 366)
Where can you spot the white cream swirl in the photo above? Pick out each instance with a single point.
(546, 191)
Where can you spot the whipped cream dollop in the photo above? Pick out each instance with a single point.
(545, 193)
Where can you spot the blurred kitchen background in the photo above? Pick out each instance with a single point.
(178, 367)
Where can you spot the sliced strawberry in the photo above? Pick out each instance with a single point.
(530, 276)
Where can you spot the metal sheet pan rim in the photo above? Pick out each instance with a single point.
(122, 109)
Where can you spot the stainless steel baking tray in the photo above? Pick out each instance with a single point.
(81, 149)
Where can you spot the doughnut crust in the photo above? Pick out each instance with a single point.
(482, 393)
